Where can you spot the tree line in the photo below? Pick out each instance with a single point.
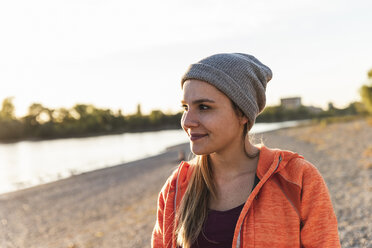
(81, 120)
(87, 120)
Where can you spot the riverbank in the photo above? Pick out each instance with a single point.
(25, 164)
(116, 206)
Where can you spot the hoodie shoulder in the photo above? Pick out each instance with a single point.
(290, 166)
(274, 160)
(297, 169)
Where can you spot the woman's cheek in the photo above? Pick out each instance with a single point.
(183, 122)
(182, 119)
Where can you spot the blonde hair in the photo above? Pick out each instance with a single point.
(194, 205)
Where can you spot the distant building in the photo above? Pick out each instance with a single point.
(314, 110)
(291, 103)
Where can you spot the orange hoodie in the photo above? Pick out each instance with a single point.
(289, 207)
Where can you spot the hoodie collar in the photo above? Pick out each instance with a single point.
(269, 159)
(267, 163)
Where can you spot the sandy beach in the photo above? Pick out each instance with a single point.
(116, 207)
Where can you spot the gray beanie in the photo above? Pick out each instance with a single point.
(241, 77)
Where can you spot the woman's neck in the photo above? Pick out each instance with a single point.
(235, 162)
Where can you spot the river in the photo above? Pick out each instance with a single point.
(27, 163)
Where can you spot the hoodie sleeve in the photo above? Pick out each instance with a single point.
(157, 233)
(319, 223)
(161, 236)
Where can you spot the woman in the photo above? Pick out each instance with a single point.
(236, 194)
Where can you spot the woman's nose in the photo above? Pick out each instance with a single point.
(189, 119)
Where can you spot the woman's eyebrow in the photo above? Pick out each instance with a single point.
(200, 101)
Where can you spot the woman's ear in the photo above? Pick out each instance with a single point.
(243, 120)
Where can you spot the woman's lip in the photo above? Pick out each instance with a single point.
(194, 137)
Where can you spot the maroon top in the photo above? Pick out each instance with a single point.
(218, 229)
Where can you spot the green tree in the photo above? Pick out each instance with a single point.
(369, 74)
(31, 120)
(34, 113)
(366, 93)
(7, 110)
(156, 117)
(10, 127)
(81, 110)
(139, 111)
(62, 115)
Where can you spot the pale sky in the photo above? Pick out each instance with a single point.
(116, 54)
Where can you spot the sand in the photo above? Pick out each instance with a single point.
(116, 207)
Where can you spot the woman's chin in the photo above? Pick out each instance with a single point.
(198, 150)
(199, 153)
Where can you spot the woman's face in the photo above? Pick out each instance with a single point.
(209, 118)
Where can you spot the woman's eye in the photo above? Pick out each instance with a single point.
(203, 107)
(184, 107)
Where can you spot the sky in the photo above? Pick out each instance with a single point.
(117, 54)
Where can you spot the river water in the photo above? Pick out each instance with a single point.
(27, 163)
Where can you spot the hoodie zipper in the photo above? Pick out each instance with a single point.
(240, 228)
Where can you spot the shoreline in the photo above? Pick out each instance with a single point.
(97, 171)
(169, 152)
(89, 135)
(16, 186)
(116, 206)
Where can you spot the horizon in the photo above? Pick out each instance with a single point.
(170, 112)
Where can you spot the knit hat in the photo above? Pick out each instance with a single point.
(241, 77)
